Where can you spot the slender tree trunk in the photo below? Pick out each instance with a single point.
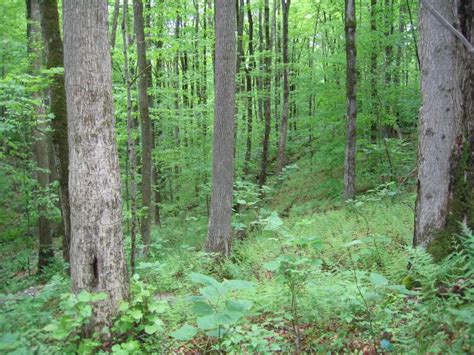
(220, 233)
(40, 145)
(446, 132)
(132, 164)
(351, 53)
(54, 59)
(374, 130)
(281, 159)
(146, 129)
(113, 35)
(97, 254)
(248, 79)
(267, 99)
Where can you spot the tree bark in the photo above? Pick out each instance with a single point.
(445, 194)
(54, 59)
(113, 35)
(267, 99)
(132, 164)
(281, 158)
(40, 145)
(97, 254)
(351, 53)
(219, 236)
(146, 129)
(248, 79)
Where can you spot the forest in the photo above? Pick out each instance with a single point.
(236, 177)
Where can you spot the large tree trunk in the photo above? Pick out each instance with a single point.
(40, 145)
(146, 129)
(281, 159)
(267, 100)
(97, 255)
(54, 59)
(219, 236)
(445, 154)
(350, 154)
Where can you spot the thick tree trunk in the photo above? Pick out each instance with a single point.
(281, 158)
(220, 233)
(40, 145)
(146, 129)
(267, 100)
(54, 59)
(350, 154)
(97, 254)
(445, 154)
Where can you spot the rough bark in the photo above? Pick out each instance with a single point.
(97, 254)
(54, 59)
(267, 99)
(146, 129)
(445, 153)
(40, 145)
(219, 235)
(350, 153)
(281, 158)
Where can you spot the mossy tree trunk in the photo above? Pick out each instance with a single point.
(445, 195)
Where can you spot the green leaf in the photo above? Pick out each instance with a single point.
(123, 306)
(99, 297)
(186, 332)
(238, 305)
(378, 280)
(151, 329)
(202, 309)
(136, 314)
(203, 279)
(273, 265)
(273, 222)
(208, 322)
(84, 296)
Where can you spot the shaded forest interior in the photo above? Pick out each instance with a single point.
(236, 176)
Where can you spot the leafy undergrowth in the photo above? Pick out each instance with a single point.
(312, 277)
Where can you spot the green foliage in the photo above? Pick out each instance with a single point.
(217, 312)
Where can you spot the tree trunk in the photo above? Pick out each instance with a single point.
(351, 53)
(248, 79)
(146, 129)
(374, 129)
(40, 145)
(114, 23)
(220, 233)
(54, 59)
(445, 194)
(132, 164)
(267, 99)
(97, 254)
(281, 159)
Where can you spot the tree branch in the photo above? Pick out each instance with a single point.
(450, 27)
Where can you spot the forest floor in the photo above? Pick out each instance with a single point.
(326, 276)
